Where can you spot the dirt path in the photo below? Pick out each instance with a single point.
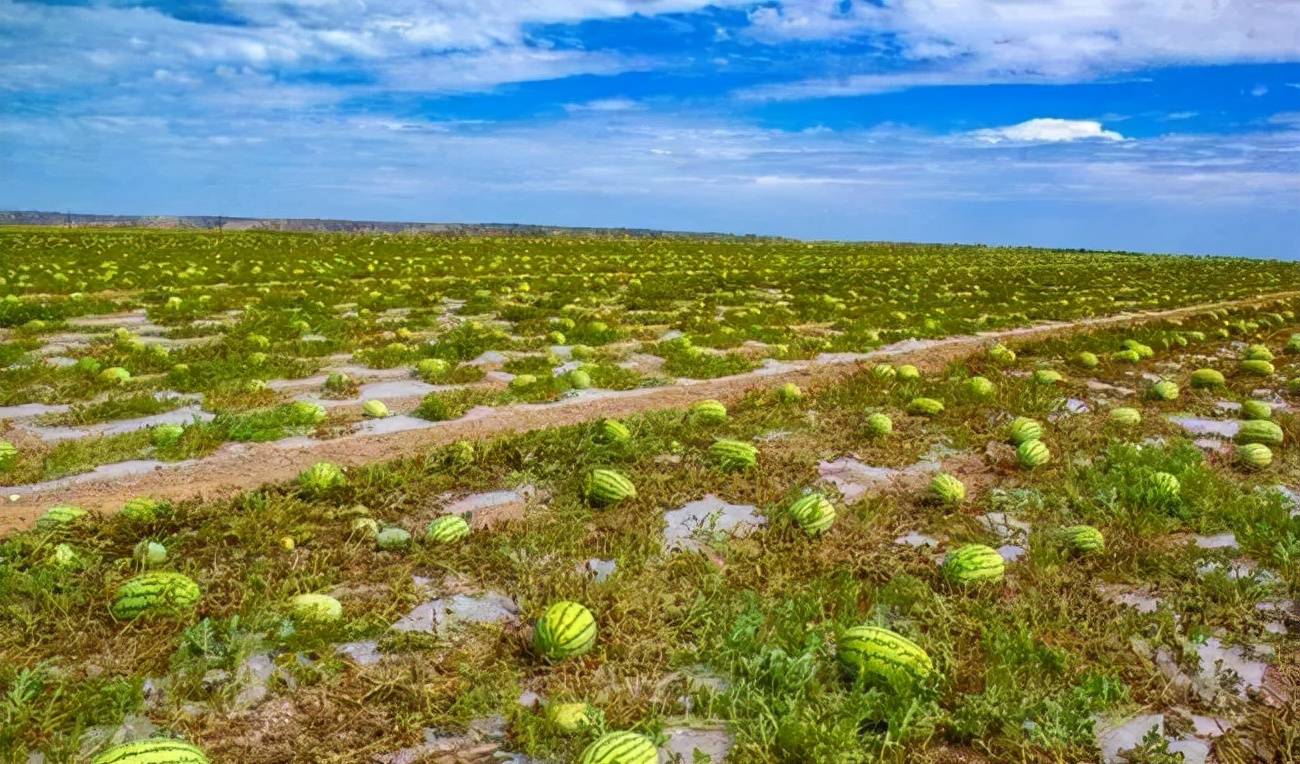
(240, 467)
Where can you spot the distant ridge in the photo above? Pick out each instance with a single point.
(213, 222)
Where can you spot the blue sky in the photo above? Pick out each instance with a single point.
(1120, 124)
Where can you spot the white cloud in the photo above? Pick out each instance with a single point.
(606, 105)
(1048, 130)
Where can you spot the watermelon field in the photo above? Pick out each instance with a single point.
(270, 497)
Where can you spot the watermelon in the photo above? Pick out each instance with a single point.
(1048, 376)
(322, 477)
(365, 526)
(708, 413)
(431, 368)
(1258, 353)
(733, 455)
(879, 425)
(1087, 360)
(1207, 378)
(1033, 453)
(974, 564)
(1143, 351)
(884, 372)
(8, 454)
(315, 608)
(375, 409)
(59, 516)
(814, 513)
(157, 592)
(1022, 429)
(1164, 487)
(1293, 344)
(980, 387)
(166, 434)
(1255, 456)
(789, 393)
(446, 529)
(1125, 356)
(564, 630)
(604, 486)
(1253, 409)
(1164, 390)
(1083, 538)
(620, 748)
(460, 453)
(1260, 431)
(612, 431)
(908, 373)
(154, 751)
(64, 556)
(1002, 354)
(877, 653)
(925, 407)
(393, 539)
(142, 509)
(306, 413)
(115, 375)
(571, 717)
(149, 554)
(523, 381)
(1258, 368)
(948, 489)
(1123, 415)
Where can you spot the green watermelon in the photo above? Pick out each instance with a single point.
(115, 375)
(393, 539)
(166, 434)
(884, 372)
(948, 489)
(877, 653)
(605, 486)
(980, 387)
(8, 454)
(429, 369)
(1258, 368)
(1164, 390)
(879, 425)
(733, 455)
(1048, 376)
(446, 529)
(1033, 453)
(708, 413)
(149, 554)
(814, 513)
(612, 431)
(315, 608)
(1022, 429)
(1164, 487)
(925, 407)
(1123, 415)
(154, 751)
(142, 509)
(1083, 538)
(322, 477)
(1253, 409)
(1087, 360)
(1002, 354)
(1126, 356)
(1258, 353)
(579, 379)
(974, 564)
(157, 592)
(571, 717)
(1207, 378)
(1255, 456)
(375, 409)
(564, 630)
(908, 373)
(620, 748)
(789, 393)
(59, 516)
(1260, 431)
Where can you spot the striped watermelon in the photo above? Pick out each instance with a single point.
(1123, 415)
(59, 516)
(948, 489)
(1002, 354)
(883, 371)
(1164, 487)
(1206, 378)
(322, 477)
(733, 455)
(981, 387)
(1258, 353)
(605, 486)
(1126, 356)
(612, 431)
(879, 425)
(789, 393)
(1048, 376)
(446, 529)
(974, 564)
(1022, 429)
(877, 653)
(1260, 431)
(1083, 538)
(1254, 456)
(708, 412)
(155, 751)
(1087, 360)
(1164, 390)
(925, 407)
(814, 513)
(1033, 453)
(158, 592)
(620, 748)
(315, 608)
(564, 630)
(1253, 409)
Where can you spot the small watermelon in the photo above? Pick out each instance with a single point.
(1023, 429)
(1083, 538)
(948, 489)
(980, 387)
(564, 630)
(375, 409)
(1260, 431)
(908, 373)
(1123, 415)
(60, 516)
(571, 717)
(1033, 453)
(153, 751)
(8, 454)
(1048, 376)
(1258, 368)
(814, 513)
(1087, 360)
(393, 539)
(884, 372)
(166, 434)
(1002, 354)
(322, 477)
(578, 379)
(1258, 353)
(1125, 356)
(974, 564)
(1207, 378)
(605, 486)
(877, 653)
(1254, 456)
(158, 592)
(315, 608)
(612, 431)
(708, 413)
(733, 455)
(1164, 390)
(446, 529)
(789, 393)
(1164, 487)
(149, 554)
(879, 425)
(925, 407)
(620, 748)
(1253, 409)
